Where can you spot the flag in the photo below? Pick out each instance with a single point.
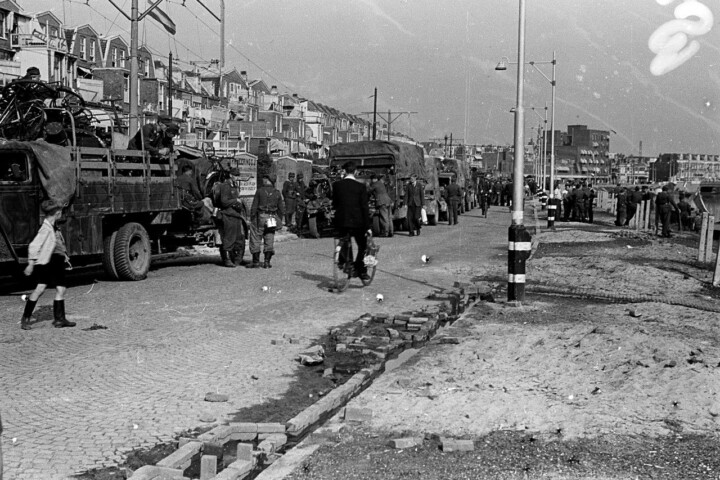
(163, 19)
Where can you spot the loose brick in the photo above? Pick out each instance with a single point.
(278, 341)
(354, 414)
(244, 451)
(240, 427)
(412, 327)
(450, 340)
(417, 320)
(340, 347)
(208, 467)
(454, 445)
(406, 442)
(150, 472)
(270, 428)
(182, 457)
(393, 333)
(380, 317)
(237, 470)
(357, 346)
(402, 318)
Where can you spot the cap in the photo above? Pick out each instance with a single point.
(49, 207)
(300, 175)
(166, 119)
(33, 71)
(234, 172)
(291, 175)
(173, 128)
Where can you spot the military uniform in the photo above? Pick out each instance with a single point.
(453, 195)
(267, 204)
(665, 205)
(233, 211)
(290, 195)
(300, 207)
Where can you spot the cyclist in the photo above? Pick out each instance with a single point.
(352, 214)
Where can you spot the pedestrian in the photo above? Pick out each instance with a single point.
(350, 201)
(453, 197)
(414, 199)
(265, 217)
(300, 208)
(32, 73)
(665, 205)
(48, 259)
(621, 206)
(378, 190)
(290, 194)
(590, 202)
(686, 212)
(233, 211)
(566, 203)
(634, 199)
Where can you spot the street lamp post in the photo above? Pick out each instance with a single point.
(502, 65)
(518, 237)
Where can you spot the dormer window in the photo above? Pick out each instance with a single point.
(92, 50)
(114, 57)
(83, 48)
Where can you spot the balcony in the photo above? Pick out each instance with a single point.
(37, 40)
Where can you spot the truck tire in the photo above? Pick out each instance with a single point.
(108, 256)
(432, 219)
(132, 252)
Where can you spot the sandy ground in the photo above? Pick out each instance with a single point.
(570, 368)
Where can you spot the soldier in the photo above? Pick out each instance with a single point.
(686, 208)
(621, 206)
(590, 202)
(155, 138)
(453, 195)
(289, 193)
(378, 190)
(300, 209)
(665, 205)
(414, 199)
(265, 216)
(233, 211)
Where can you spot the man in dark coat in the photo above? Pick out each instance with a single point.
(300, 207)
(634, 199)
(233, 211)
(453, 196)
(155, 138)
(378, 190)
(665, 205)
(352, 213)
(266, 216)
(290, 195)
(414, 199)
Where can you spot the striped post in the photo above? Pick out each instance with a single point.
(518, 253)
(552, 209)
(703, 237)
(709, 238)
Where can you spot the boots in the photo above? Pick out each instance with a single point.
(225, 256)
(255, 261)
(27, 314)
(59, 315)
(268, 256)
(239, 254)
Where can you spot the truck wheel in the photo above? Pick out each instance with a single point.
(132, 252)
(108, 256)
(312, 226)
(432, 219)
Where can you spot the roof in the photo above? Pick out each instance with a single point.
(10, 5)
(409, 159)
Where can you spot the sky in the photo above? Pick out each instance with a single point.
(438, 58)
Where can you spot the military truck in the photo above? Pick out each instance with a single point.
(123, 205)
(396, 161)
(449, 168)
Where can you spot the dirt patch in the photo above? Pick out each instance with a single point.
(363, 454)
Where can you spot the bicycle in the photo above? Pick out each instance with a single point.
(343, 262)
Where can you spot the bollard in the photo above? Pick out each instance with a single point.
(519, 246)
(709, 238)
(552, 208)
(703, 235)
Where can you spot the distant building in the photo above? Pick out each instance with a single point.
(686, 167)
(581, 153)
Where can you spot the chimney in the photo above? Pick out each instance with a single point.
(273, 90)
(243, 74)
(295, 95)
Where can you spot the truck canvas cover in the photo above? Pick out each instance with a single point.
(406, 158)
(55, 166)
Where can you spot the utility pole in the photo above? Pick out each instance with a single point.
(391, 117)
(170, 80)
(375, 116)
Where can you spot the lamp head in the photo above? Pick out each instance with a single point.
(502, 65)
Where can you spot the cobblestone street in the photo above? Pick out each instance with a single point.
(75, 399)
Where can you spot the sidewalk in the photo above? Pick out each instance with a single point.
(588, 381)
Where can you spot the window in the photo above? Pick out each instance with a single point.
(14, 168)
(92, 51)
(3, 25)
(147, 67)
(83, 48)
(127, 83)
(122, 58)
(114, 58)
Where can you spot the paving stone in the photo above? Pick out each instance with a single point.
(216, 397)
(355, 414)
(454, 445)
(405, 442)
(270, 428)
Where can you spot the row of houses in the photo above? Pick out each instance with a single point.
(220, 108)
